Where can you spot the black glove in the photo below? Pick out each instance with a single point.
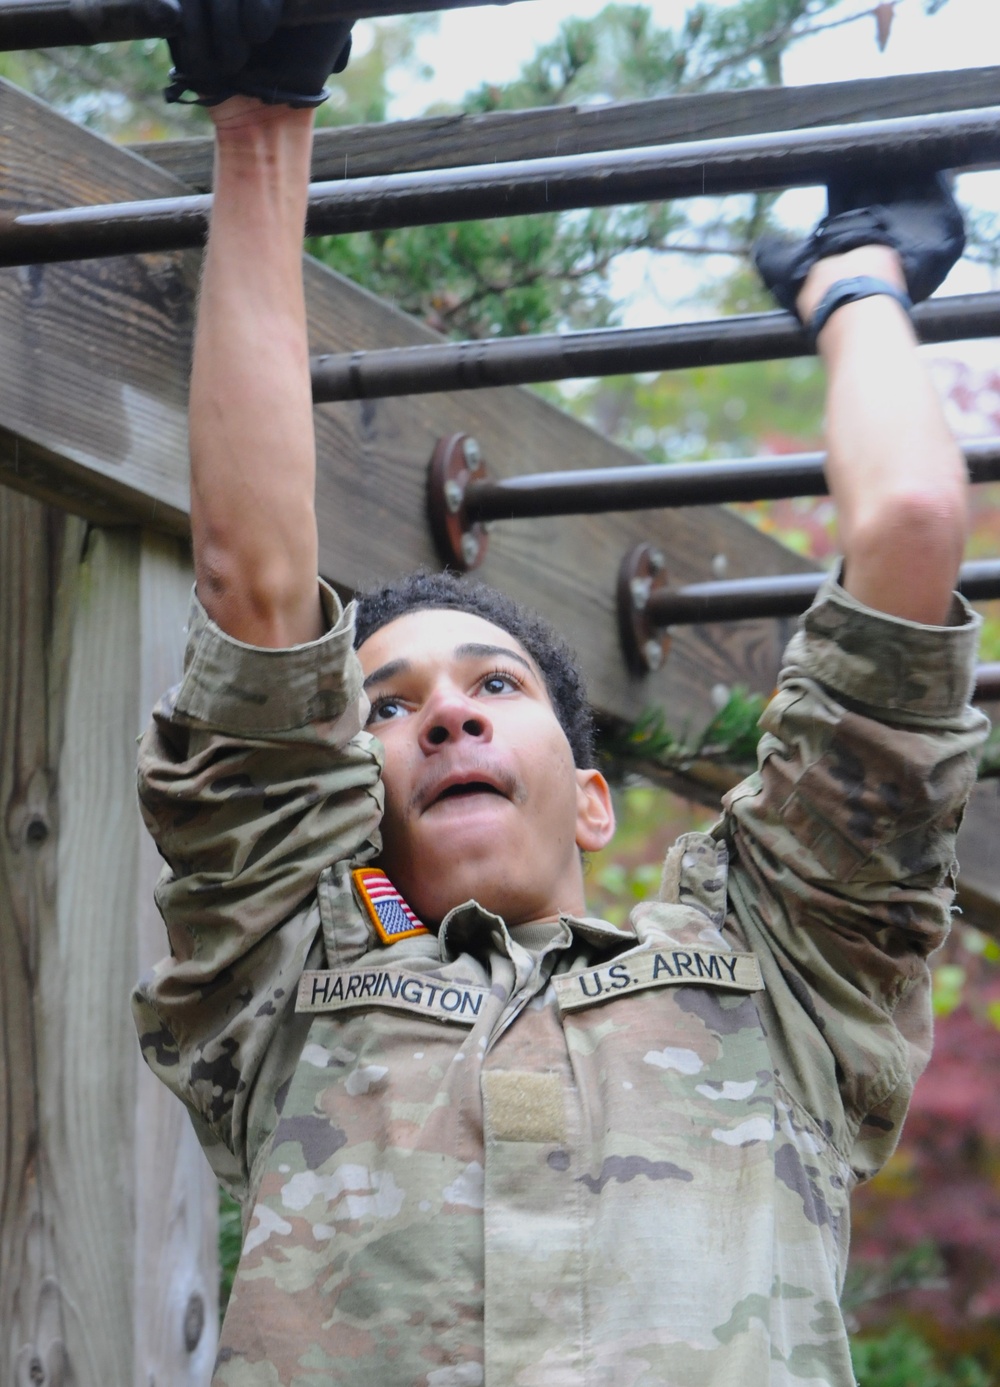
(916, 215)
(234, 47)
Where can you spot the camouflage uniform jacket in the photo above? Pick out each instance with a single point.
(563, 1155)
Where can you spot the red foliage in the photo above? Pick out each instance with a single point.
(943, 1184)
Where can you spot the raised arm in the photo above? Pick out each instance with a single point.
(843, 843)
(894, 470)
(252, 441)
(253, 454)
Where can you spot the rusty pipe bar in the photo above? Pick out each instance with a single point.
(651, 486)
(610, 351)
(987, 683)
(786, 594)
(777, 159)
(64, 23)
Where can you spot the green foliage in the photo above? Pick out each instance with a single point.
(730, 738)
(117, 88)
(505, 277)
(621, 55)
(720, 411)
(902, 1358)
(542, 273)
(917, 1268)
(648, 821)
(230, 1242)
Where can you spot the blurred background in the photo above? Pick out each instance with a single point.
(923, 1292)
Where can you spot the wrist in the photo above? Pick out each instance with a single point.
(879, 262)
(244, 124)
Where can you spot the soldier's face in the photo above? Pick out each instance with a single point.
(482, 799)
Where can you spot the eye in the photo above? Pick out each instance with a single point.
(386, 708)
(500, 681)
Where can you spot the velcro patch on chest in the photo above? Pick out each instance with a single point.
(395, 988)
(392, 919)
(658, 968)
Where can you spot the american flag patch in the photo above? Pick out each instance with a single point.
(391, 916)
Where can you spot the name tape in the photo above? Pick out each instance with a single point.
(665, 968)
(391, 987)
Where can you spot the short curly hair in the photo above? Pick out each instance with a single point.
(557, 663)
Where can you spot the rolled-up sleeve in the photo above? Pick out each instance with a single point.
(255, 775)
(843, 848)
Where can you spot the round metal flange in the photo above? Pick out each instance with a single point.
(456, 461)
(642, 572)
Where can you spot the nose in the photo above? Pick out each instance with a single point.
(451, 715)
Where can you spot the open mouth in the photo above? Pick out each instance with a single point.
(471, 787)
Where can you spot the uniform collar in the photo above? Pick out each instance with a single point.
(470, 928)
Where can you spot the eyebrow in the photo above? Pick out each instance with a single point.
(471, 650)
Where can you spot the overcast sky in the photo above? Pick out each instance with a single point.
(490, 43)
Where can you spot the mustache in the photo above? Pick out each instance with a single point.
(502, 778)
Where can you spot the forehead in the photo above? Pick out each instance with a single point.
(432, 636)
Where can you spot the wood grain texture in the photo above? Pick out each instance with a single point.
(452, 141)
(32, 1289)
(87, 964)
(107, 1262)
(68, 895)
(176, 1254)
(102, 388)
(93, 363)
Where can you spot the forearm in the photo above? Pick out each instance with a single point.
(252, 441)
(894, 471)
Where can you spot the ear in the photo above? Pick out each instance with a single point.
(595, 814)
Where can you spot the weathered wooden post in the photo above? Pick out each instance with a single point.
(107, 1217)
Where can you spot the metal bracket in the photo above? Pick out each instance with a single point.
(456, 461)
(643, 571)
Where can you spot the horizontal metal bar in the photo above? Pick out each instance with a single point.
(652, 486)
(987, 683)
(480, 365)
(67, 23)
(695, 168)
(786, 594)
(462, 138)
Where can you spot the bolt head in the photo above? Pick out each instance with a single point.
(640, 589)
(470, 548)
(653, 654)
(720, 564)
(656, 561)
(453, 493)
(472, 454)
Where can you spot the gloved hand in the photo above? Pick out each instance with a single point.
(234, 47)
(916, 215)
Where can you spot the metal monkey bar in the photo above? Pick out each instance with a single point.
(648, 607)
(750, 163)
(66, 23)
(463, 498)
(479, 365)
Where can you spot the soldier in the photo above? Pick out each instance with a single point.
(478, 1135)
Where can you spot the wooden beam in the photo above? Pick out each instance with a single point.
(979, 880)
(175, 1249)
(107, 1205)
(93, 364)
(452, 141)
